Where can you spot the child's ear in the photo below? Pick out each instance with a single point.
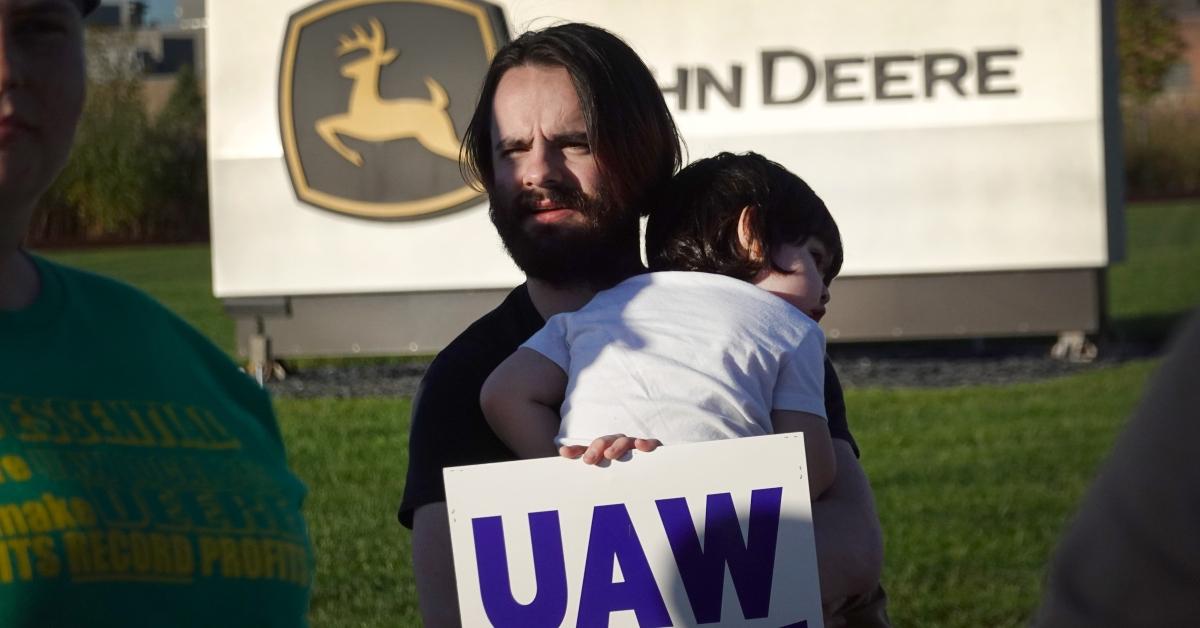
(746, 237)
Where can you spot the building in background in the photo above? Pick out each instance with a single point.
(190, 14)
(156, 52)
(118, 14)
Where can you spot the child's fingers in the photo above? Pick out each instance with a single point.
(647, 444)
(571, 451)
(595, 451)
(619, 447)
(609, 447)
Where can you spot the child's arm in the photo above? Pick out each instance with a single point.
(520, 400)
(818, 446)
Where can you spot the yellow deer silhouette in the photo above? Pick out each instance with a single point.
(374, 119)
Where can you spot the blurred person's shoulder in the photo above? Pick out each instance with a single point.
(108, 314)
(116, 304)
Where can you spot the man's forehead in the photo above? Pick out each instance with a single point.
(548, 75)
(528, 94)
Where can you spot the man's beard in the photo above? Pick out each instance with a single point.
(596, 253)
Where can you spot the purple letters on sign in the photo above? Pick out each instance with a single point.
(751, 564)
(549, 605)
(701, 556)
(613, 536)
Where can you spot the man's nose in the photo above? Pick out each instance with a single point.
(542, 167)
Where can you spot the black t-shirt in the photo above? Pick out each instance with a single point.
(448, 428)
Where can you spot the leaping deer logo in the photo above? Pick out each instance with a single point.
(373, 119)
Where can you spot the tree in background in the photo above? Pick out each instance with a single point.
(181, 161)
(1148, 44)
(103, 190)
(130, 178)
(1162, 136)
(109, 177)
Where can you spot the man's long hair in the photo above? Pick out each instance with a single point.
(629, 128)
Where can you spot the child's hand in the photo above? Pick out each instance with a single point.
(608, 447)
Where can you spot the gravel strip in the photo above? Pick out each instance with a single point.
(351, 380)
(926, 365)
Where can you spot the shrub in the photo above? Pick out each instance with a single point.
(109, 176)
(131, 178)
(1149, 43)
(1162, 149)
(180, 186)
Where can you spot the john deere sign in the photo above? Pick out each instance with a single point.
(373, 98)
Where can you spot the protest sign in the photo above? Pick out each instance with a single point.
(715, 534)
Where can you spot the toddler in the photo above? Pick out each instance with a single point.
(720, 340)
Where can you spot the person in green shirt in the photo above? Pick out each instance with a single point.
(143, 480)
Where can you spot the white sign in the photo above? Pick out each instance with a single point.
(716, 533)
(945, 135)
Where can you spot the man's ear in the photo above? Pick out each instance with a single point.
(746, 237)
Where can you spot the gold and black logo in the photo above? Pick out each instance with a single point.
(374, 96)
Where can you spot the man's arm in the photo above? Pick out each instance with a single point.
(848, 535)
(448, 429)
(433, 567)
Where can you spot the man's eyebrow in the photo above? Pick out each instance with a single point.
(505, 143)
(570, 138)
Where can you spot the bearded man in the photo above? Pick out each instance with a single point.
(570, 139)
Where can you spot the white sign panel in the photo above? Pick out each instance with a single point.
(945, 135)
(716, 533)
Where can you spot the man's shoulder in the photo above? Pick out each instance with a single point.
(492, 337)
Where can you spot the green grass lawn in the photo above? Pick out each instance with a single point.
(974, 484)
(1159, 277)
(353, 454)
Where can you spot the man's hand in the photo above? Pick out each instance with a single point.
(609, 447)
(433, 567)
(848, 535)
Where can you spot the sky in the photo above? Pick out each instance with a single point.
(160, 11)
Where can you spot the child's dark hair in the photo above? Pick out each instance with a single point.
(694, 222)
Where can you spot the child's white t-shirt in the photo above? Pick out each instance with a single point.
(683, 357)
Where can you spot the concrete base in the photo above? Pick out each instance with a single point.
(914, 307)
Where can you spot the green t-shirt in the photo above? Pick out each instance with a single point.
(142, 476)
